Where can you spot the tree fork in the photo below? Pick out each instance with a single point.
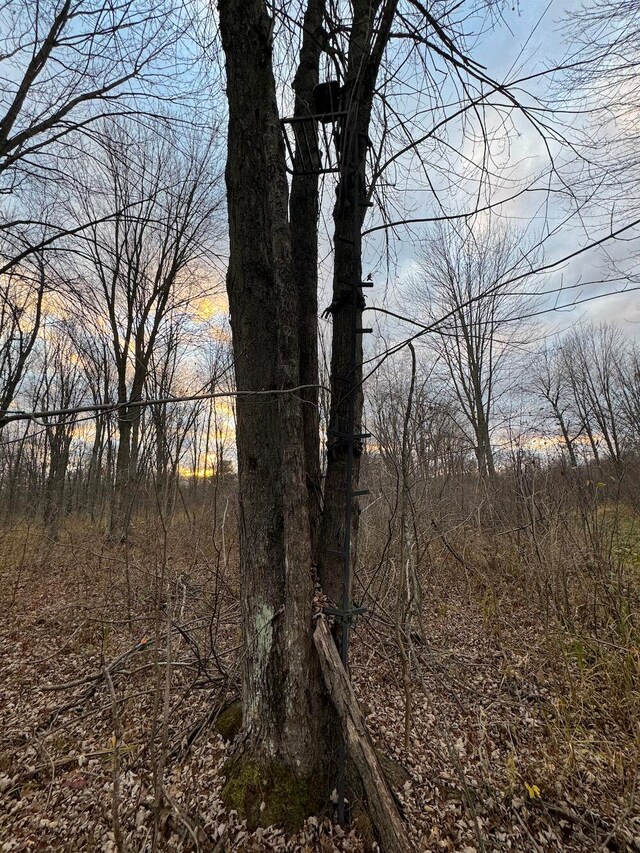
(281, 680)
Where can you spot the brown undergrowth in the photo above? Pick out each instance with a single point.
(523, 718)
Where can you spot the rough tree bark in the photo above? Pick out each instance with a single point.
(304, 208)
(282, 720)
(289, 730)
(369, 34)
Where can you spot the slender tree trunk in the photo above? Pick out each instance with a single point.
(351, 198)
(565, 434)
(120, 511)
(348, 268)
(60, 445)
(95, 466)
(484, 451)
(592, 441)
(126, 464)
(491, 465)
(303, 207)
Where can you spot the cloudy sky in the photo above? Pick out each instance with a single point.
(531, 38)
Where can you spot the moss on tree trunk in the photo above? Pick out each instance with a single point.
(271, 794)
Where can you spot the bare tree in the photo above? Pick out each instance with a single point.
(628, 382)
(93, 351)
(551, 380)
(62, 387)
(274, 338)
(65, 66)
(591, 355)
(147, 257)
(21, 296)
(69, 64)
(602, 81)
(463, 286)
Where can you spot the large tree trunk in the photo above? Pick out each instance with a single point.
(281, 682)
(280, 773)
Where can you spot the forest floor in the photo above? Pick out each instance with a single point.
(510, 745)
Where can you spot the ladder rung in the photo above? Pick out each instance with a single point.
(360, 492)
(364, 331)
(348, 615)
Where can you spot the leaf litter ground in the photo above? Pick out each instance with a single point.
(503, 754)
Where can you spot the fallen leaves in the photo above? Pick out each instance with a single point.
(483, 771)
